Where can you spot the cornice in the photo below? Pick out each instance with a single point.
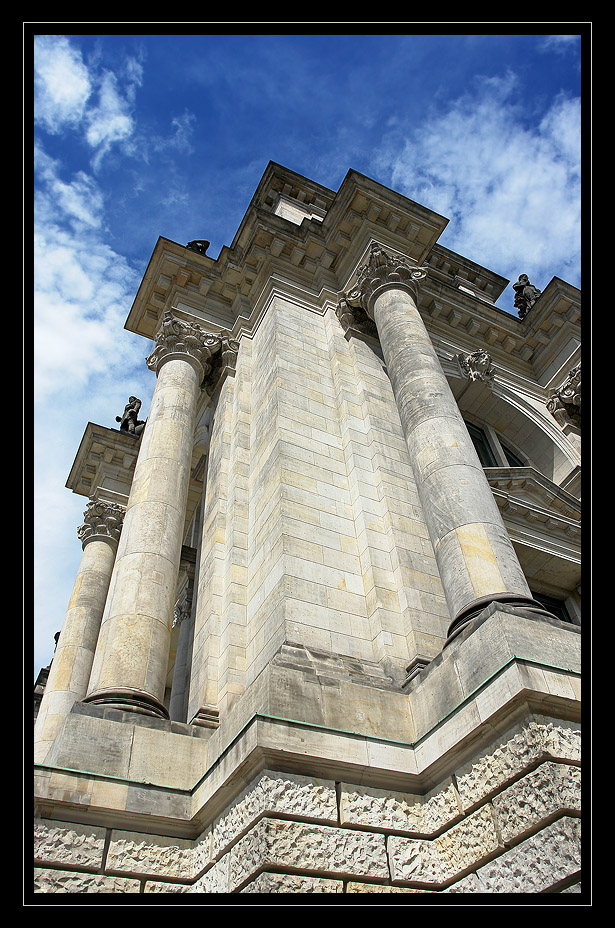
(534, 496)
(324, 251)
(103, 450)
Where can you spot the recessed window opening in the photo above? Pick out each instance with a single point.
(490, 450)
(482, 446)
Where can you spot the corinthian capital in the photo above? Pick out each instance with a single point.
(178, 339)
(101, 519)
(384, 271)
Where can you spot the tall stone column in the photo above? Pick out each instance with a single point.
(130, 664)
(476, 559)
(69, 674)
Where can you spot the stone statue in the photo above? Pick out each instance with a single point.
(199, 245)
(128, 421)
(525, 295)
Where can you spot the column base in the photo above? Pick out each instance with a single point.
(129, 700)
(471, 612)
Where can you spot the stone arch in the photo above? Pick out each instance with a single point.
(522, 422)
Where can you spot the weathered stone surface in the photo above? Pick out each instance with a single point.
(61, 843)
(549, 789)
(274, 792)
(399, 811)
(440, 859)
(533, 866)
(308, 847)
(66, 881)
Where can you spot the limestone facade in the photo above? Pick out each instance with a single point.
(336, 648)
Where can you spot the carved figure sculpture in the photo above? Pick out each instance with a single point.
(477, 366)
(129, 421)
(526, 295)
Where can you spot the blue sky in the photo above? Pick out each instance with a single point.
(140, 136)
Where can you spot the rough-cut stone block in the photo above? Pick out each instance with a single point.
(298, 796)
(379, 888)
(308, 847)
(534, 866)
(154, 887)
(549, 789)
(377, 808)
(520, 748)
(67, 881)
(150, 854)
(215, 880)
(438, 860)
(64, 844)
(289, 883)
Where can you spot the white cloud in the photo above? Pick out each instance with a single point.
(68, 94)
(85, 365)
(510, 189)
(62, 84)
(562, 44)
(110, 121)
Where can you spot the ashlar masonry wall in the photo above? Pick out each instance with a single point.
(312, 530)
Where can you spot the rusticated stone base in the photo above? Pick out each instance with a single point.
(506, 821)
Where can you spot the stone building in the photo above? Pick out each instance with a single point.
(325, 632)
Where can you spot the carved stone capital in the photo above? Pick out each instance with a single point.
(178, 339)
(354, 319)
(223, 363)
(102, 520)
(212, 354)
(382, 272)
(476, 366)
(565, 403)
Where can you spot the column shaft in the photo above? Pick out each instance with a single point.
(69, 674)
(131, 661)
(475, 556)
